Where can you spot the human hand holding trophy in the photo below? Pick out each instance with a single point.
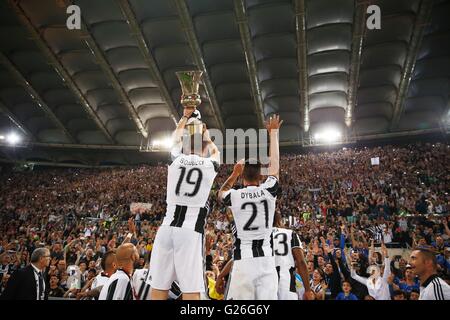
(190, 99)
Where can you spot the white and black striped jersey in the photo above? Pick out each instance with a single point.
(253, 211)
(99, 281)
(434, 288)
(284, 240)
(189, 183)
(118, 287)
(142, 283)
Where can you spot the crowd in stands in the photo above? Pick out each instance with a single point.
(347, 212)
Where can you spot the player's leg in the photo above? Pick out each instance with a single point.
(188, 257)
(286, 286)
(267, 284)
(242, 281)
(162, 268)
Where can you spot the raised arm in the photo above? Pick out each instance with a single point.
(178, 133)
(131, 231)
(273, 128)
(387, 262)
(221, 277)
(352, 237)
(358, 278)
(214, 153)
(302, 271)
(447, 230)
(237, 171)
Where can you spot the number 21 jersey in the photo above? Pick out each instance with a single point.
(253, 211)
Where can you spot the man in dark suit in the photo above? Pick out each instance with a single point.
(29, 283)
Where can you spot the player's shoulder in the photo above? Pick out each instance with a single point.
(120, 275)
(140, 272)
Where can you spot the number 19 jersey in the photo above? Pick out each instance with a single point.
(189, 182)
(253, 211)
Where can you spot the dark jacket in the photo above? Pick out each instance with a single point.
(334, 281)
(358, 289)
(22, 285)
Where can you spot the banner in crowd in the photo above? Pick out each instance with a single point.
(140, 207)
(375, 161)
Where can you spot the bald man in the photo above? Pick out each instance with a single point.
(119, 286)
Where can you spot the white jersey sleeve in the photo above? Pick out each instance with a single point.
(176, 151)
(271, 185)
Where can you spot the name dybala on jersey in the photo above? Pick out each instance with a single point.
(253, 209)
(189, 182)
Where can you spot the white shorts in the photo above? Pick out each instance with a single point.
(286, 285)
(253, 279)
(177, 255)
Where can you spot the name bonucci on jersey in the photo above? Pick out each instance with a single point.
(253, 211)
(189, 182)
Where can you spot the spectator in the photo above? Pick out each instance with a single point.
(424, 265)
(376, 284)
(346, 293)
(74, 212)
(399, 295)
(55, 290)
(29, 283)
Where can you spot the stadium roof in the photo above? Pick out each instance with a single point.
(93, 95)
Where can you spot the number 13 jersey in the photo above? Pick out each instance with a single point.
(189, 182)
(253, 211)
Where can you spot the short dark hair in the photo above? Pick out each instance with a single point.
(252, 170)
(277, 220)
(106, 257)
(399, 292)
(428, 254)
(347, 281)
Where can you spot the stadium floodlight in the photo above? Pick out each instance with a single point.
(328, 135)
(165, 143)
(156, 143)
(13, 138)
